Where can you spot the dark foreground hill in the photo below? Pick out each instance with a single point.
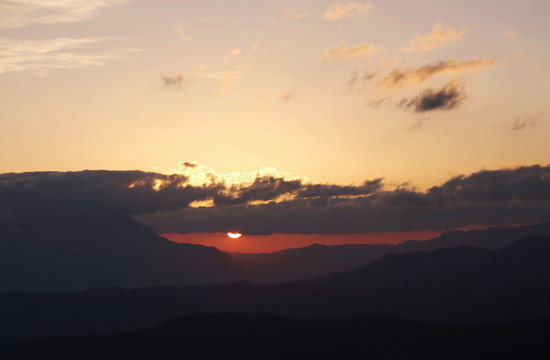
(461, 285)
(231, 336)
(70, 251)
(295, 264)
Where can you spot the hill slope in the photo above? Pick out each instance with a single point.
(270, 337)
(75, 251)
(456, 286)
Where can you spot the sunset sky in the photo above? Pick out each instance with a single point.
(380, 96)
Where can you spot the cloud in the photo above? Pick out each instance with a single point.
(229, 76)
(233, 53)
(286, 95)
(138, 192)
(509, 34)
(177, 81)
(131, 192)
(439, 36)
(42, 56)
(170, 82)
(446, 98)
(266, 201)
(496, 197)
(27, 12)
(346, 10)
(181, 29)
(357, 79)
(400, 77)
(294, 14)
(521, 122)
(343, 52)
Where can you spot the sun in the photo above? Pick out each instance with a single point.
(234, 235)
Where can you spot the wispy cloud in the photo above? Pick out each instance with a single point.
(42, 56)
(17, 13)
(173, 82)
(177, 81)
(342, 51)
(509, 34)
(439, 36)
(229, 76)
(181, 29)
(447, 98)
(293, 13)
(347, 10)
(521, 122)
(235, 52)
(400, 77)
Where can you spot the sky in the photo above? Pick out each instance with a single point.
(383, 97)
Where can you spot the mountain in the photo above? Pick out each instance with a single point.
(70, 251)
(294, 264)
(462, 285)
(235, 336)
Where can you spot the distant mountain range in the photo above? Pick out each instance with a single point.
(232, 336)
(461, 285)
(77, 251)
(68, 251)
(294, 264)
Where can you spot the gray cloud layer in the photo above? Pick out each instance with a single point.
(498, 197)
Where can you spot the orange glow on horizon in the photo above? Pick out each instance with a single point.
(276, 242)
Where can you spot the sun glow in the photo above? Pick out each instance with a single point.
(234, 235)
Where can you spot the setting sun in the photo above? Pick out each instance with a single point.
(234, 235)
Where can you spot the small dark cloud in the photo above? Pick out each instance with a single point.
(418, 124)
(358, 79)
(172, 82)
(521, 122)
(376, 103)
(286, 95)
(189, 164)
(447, 98)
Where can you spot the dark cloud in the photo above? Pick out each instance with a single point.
(138, 192)
(499, 197)
(263, 188)
(286, 95)
(276, 204)
(357, 79)
(447, 98)
(189, 164)
(131, 192)
(316, 190)
(521, 122)
(172, 82)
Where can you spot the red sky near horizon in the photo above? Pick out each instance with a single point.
(276, 242)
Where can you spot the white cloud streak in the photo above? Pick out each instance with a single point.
(42, 56)
(18, 13)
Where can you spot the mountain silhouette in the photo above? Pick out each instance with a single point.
(294, 264)
(235, 336)
(462, 285)
(70, 251)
